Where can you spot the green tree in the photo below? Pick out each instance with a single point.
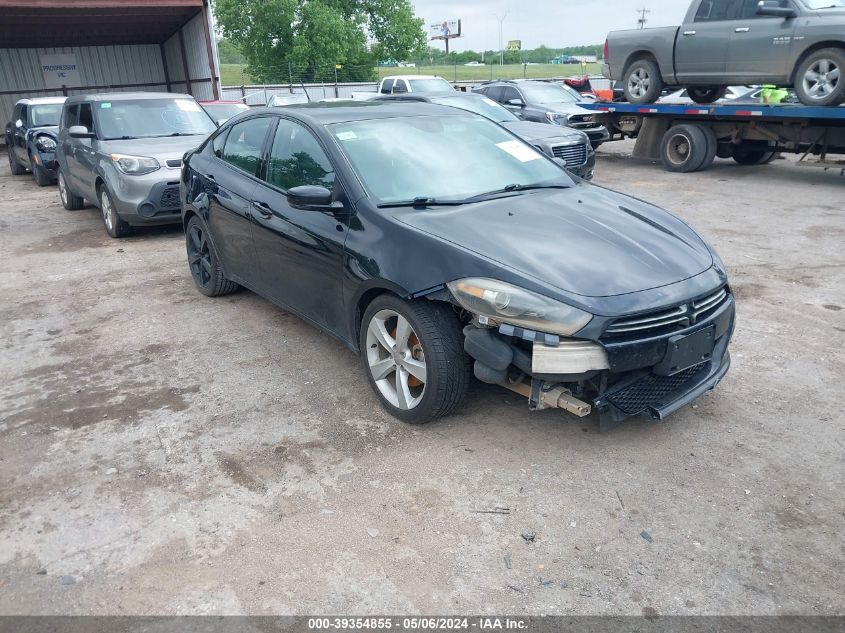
(229, 53)
(314, 35)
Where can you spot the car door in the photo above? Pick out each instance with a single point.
(19, 134)
(67, 156)
(701, 52)
(85, 155)
(506, 95)
(300, 251)
(761, 45)
(230, 176)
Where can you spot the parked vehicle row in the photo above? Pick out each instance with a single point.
(31, 138)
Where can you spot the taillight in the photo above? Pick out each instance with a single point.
(606, 50)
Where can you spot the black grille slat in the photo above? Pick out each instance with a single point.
(573, 154)
(169, 198)
(650, 390)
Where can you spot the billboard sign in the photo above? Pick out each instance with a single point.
(515, 45)
(445, 30)
(60, 70)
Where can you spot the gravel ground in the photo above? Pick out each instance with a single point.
(165, 453)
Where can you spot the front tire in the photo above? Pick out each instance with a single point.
(414, 357)
(643, 82)
(203, 262)
(16, 168)
(707, 96)
(41, 178)
(115, 227)
(69, 201)
(819, 80)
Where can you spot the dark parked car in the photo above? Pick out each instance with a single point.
(544, 102)
(571, 146)
(31, 138)
(436, 243)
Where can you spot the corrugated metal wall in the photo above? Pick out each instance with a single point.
(112, 68)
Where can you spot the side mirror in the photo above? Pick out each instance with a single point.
(79, 131)
(772, 8)
(19, 124)
(310, 196)
(519, 103)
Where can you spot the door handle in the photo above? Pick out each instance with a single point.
(263, 209)
(742, 29)
(689, 33)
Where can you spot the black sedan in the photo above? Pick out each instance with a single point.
(566, 144)
(31, 138)
(437, 245)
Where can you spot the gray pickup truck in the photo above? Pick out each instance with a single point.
(798, 43)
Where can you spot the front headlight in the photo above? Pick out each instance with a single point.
(557, 118)
(135, 165)
(516, 306)
(46, 144)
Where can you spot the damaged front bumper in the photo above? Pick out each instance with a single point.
(655, 376)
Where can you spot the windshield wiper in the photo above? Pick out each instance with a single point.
(422, 202)
(121, 138)
(176, 134)
(512, 189)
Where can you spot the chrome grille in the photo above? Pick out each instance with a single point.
(573, 154)
(668, 320)
(582, 122)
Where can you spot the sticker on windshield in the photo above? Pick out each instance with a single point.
(105, 106)
(187, 106)
(346, 136)
(521, 152)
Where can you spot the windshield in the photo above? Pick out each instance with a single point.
(150, 118)
(45, 114)
(219, 111)
(444, 158)
(429, 85)
(479, 105)
(824, 4)
(546, 93)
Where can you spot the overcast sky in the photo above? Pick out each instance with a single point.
(555, 23)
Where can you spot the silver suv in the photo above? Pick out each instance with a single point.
(123, 152)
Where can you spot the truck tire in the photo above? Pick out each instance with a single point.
(819, 80)
(745, 156)
(643, 82)
(684, 148)
(706, 96)
(712, 147)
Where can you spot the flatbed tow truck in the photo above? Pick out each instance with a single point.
(687, 138)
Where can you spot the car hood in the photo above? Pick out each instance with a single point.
(530, 131)
(586, 240)
(162, 149)
(52, 130)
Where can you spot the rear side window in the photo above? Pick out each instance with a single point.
(70, 115)
(387, 86)
(716, 10)
(298, 159)
(244, 143)
(400, 86)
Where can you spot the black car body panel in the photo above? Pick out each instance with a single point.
(602, 252)
(33, 144)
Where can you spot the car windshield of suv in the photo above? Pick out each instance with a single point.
(546, 93)
(824, 4)
(47, 114)
(151, 118)
(479, 105)
(429, 85)
(218, 111)
(442, 159)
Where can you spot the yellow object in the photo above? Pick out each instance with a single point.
(773, 95)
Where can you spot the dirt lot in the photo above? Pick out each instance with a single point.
(161, 452)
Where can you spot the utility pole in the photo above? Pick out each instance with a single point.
(501, 43)
(642, 21)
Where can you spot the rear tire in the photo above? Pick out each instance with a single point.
(414, 357)
(41, 178)
(712, 147)
(707, 96)
(684, 148)
(643, 82)
(820, 78)
(115, 227)
(16, 168)
(69, 201)
(745, 156)
(203, 262)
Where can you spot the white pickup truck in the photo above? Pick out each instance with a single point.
(401, 84)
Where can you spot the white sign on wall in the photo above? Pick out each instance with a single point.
(60, 70)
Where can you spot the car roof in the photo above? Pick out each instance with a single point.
(220, 101)
(127, 96)
(327, 113)
(413, 77)
(426, 96)
(43, 101)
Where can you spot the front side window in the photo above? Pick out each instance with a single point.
(716, 10)
(448, 158)
(152, 118)
(70, 114)
(22, 115)
(749, 9)
(510, 93)
(86, 118)
(245, 142)
(297, 159)
(538, 92)
(387, 86)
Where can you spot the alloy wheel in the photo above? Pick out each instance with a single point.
(199, 256)
(396, 360)
(106, 207)
(639, 82)
(822, 79)
(63, 188)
